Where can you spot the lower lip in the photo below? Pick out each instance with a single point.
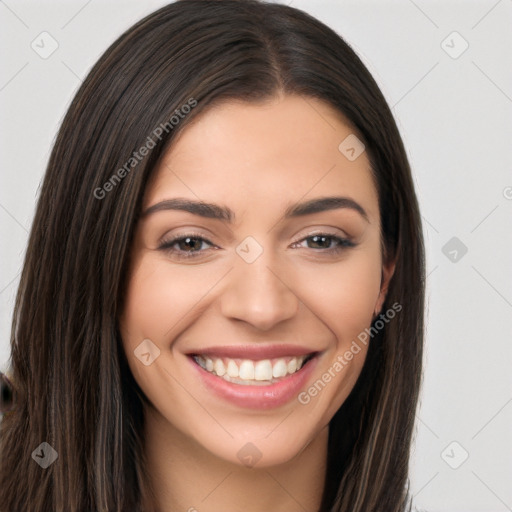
(257, 397)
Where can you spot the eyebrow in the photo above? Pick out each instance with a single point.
(214, 211)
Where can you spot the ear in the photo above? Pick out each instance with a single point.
(388, 269)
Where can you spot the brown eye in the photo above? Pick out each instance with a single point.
(188, 246)
(327, 242)
(321, 240)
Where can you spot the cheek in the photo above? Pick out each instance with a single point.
(343, 298)
(159, 298)
(343, 295)
(157, 305)
(144, 304)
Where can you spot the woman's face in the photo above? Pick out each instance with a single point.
(242, 272)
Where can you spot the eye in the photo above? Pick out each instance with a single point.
(185, 246)
(193, 245)
(327, 242)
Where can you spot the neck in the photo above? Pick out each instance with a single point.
(187, 477)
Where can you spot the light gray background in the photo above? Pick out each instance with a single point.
(455, 117)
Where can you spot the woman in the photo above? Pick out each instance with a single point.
(221, 306)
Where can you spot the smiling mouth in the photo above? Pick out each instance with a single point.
(250, 372)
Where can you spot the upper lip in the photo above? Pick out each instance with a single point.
(256, 352)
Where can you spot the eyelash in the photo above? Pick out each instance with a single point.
(343, 243)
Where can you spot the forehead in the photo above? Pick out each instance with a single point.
(274, 153)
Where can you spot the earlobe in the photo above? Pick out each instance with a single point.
(388, 270)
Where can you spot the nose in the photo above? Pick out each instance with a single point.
(259, 295)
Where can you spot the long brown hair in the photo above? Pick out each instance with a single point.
(73, 386)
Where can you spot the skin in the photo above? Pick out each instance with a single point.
(256, 159)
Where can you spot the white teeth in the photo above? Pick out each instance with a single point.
(263, 370)
(246, 370)
(232, 369)
(219, 367)
(280, 369)
(251, 372)
(292, 366)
